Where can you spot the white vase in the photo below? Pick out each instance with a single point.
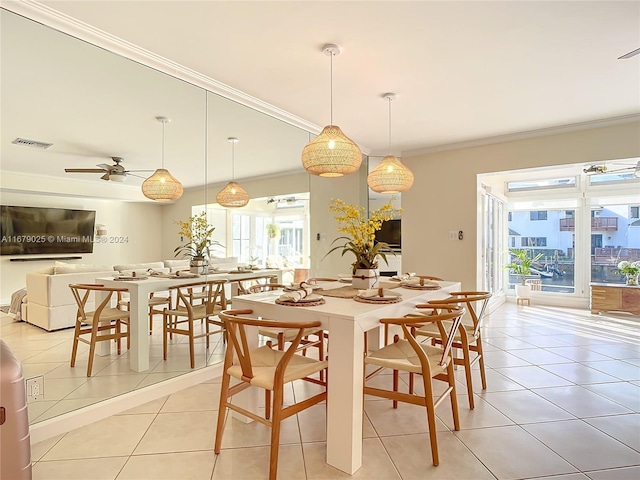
(523, 291)
(198, 265)
(365, 278)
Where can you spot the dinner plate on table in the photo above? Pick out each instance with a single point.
(309, 300)
(129, 278)
(388, 298)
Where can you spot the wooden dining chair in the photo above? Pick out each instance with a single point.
(468, 337)
(431, 362)
(244, 284)
(283, 335)
(156, 300)
(264, 368)
(419, 278)
(180, 320)
(102, 324)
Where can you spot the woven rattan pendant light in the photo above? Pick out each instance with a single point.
(390, 176)
(162, 186)
(233, 195)
(332, 153)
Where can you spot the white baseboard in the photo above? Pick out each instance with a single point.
(92, 413)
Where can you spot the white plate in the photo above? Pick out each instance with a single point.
(130, 277)
(314, 297)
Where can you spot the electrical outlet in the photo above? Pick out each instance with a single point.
(453, 235)
(35, 388)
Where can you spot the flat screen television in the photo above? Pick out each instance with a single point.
(40, 230)
(390, 234)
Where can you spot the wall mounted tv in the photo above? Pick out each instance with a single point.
(390, 233)
(39, 230)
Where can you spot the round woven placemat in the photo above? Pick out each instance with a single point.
(417, 286)
(383, 300)
(291, 303)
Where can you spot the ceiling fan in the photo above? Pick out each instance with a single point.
(600, 169)
(115, 172)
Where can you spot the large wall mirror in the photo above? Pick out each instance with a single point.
(93, 105)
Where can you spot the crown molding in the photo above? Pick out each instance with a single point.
(512, 137)
(49, 17)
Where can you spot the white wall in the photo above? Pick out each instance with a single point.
(445, 192)
(139, 223)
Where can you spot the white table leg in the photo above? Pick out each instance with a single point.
(139, 335)
(345, 396)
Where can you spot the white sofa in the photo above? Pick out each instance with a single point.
(50, 303)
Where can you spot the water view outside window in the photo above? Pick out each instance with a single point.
(551, 233)
(615, 236)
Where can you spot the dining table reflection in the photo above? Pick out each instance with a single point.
(139, 291)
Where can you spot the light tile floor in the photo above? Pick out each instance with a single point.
(67, 389)
(562, 403)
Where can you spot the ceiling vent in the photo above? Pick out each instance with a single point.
(31, 143)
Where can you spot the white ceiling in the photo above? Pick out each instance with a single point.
(463, 71)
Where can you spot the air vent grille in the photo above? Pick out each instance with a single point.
(31, 143)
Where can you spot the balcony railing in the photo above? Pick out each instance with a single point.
(599, 224)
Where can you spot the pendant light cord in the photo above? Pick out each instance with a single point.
(233, 160)
(331, 91)
(163, 123)
(389, 125)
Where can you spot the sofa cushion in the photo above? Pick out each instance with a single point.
(62, 267)
(177, 263)
(225, 263)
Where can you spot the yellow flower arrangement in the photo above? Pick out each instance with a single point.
(360, 232)
(198, 234)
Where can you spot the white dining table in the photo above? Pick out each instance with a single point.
(346, 321)
(139, 291)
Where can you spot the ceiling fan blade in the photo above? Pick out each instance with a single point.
(134, 175)
(632, 53)
(105, 176)
(105, 167)
(83, 170)
(145, 170)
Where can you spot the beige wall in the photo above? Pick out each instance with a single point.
(351, 188)
(444, 196)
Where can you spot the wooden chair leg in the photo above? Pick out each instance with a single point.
(480, 353)
(395, 386)
(467, 372)
(222, 411)
(411, 380)
(165, 319)
(275, 432)
(74, 349)
(192, 355)
(92, 348)
(431, 419)
(321, 353)
(267, 403)
(454, 398)
(118, 337)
